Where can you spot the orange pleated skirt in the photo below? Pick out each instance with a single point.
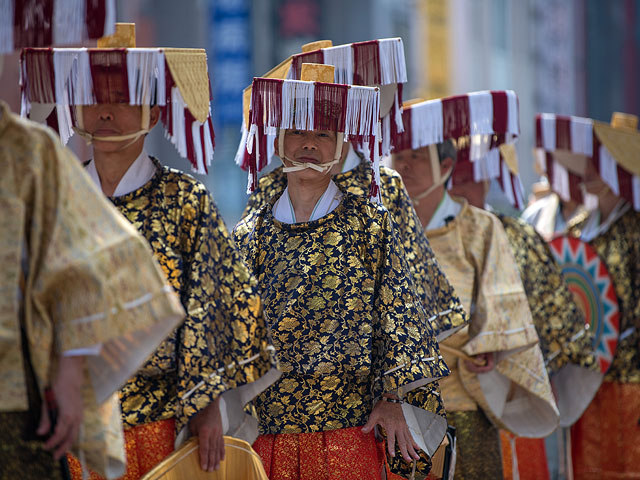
(343, 454)
(146, 446)
(605, 442)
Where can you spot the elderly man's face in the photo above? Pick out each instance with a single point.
(308, 146)
(415, 168)
(112, 119)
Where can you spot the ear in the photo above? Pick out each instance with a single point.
(154, 116)
(276, 150)
(446, 163)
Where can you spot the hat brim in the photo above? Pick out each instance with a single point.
(623, 145)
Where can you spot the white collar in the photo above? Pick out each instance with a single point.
(330, 199)
(447, 208)
(352, 160)
(593, 228)
(139, 172)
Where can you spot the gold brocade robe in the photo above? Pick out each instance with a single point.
(75, 274)
(222, 347)
(432, 286)
(345, 320)
(565, 340)
(476, 256)
(619, 248)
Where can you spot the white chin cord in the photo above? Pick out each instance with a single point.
(438, 178)
(321, 167)
(134, 136)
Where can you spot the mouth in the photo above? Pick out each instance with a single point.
(105, 132)
(308, 160)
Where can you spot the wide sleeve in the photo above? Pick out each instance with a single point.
(440, 301)
(501, 320)
(224, 343)
(90, 279)
(565, 339)
(406, 355)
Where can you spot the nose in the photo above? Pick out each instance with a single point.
(106, 114)
(309, 142)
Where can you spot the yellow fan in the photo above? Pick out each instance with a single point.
(241, 462)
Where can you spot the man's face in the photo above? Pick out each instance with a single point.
(111, 119)
(308, 146)
(415, 168)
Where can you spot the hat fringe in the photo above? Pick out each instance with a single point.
(577, 135)
(277, 104)
(64, 77)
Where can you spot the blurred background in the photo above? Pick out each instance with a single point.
(572, 57)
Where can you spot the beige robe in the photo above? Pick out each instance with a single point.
(475, 254)
(76, 274)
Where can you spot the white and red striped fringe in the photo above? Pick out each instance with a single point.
(45, 23)
(488, 118)
(276, 104)
(576, 135)
(489, 167)
(80, 76)
(372, 63)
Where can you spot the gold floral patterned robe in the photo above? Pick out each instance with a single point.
(346, 322)
(224, 324)
(431, 285)
(75, 274)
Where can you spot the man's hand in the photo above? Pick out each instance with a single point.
(390, 417)
(207, 425)
(67, 389)
(485, 362)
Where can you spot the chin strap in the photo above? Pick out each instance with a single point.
(134, 136)
(297, 166)
(438, 178)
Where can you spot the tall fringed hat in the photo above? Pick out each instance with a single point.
(176, 79)
(376, 63)
(564, 144)
(53, 22)
(312, 103)
(483, 125)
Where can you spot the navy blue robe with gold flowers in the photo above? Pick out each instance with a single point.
(431, 285)
(224, 322)
(345, 320)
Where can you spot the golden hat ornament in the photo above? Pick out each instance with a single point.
(175, 79)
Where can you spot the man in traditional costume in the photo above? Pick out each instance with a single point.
(82, 301)
(497, 368)
(606, 439)
(352, 336)
(373, 63)
(565, 341)
(201, 377)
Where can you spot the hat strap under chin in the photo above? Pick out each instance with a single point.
(298, 166)
(134, 136)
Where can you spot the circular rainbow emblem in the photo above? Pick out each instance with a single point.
(588, 279)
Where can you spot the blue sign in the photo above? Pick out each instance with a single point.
(230, 41)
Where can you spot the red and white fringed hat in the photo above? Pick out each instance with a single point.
(351, 111)
(482, 124)
(175, 79)
(42, 23)
(376, 63)
(564, 143)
